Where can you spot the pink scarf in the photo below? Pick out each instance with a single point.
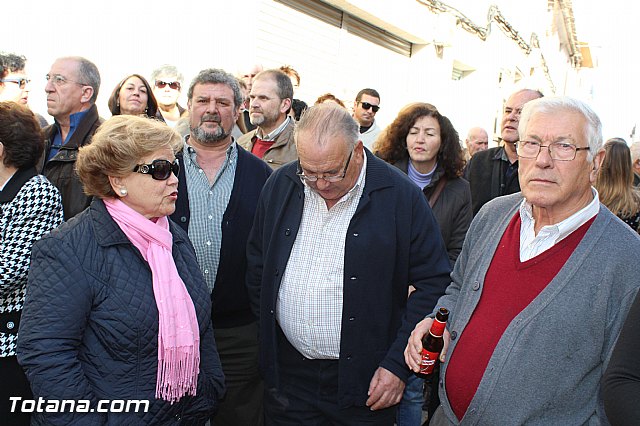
(178, 333)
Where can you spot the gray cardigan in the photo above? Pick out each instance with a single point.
(547, 366)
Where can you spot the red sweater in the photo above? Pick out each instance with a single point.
(260, 147)
(509, 287)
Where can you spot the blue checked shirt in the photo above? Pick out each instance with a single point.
(207, 204)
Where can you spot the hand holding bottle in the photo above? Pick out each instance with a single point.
(413, 351)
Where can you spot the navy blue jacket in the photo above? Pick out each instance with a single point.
(392, 241)
(89, 327)
(229, 297)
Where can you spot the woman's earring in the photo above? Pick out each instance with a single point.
(123, 192)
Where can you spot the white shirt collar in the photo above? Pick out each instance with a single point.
(531, 245)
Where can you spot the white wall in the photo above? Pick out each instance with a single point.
(123, 37)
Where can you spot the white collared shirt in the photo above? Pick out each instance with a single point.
(532, 245)
(309, 306)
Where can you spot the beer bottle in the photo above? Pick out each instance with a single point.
(432, 343)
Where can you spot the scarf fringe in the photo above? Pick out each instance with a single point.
(177, 373)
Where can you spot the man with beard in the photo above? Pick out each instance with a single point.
(219, 185)
(269, 104)
(494, 172)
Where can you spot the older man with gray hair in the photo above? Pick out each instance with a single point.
(541, 288)
(339, 236)
(72, 89)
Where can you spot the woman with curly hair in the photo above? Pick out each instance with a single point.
(424, 144)
(615, 183)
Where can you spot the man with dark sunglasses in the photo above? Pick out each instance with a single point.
(219, 186)
(365, 107)
(167, 85)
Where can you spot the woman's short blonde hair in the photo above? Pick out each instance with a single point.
(117, 147)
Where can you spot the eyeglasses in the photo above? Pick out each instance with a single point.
(21, 82)
(59, 80)
(367, 105)
(175, 85)
(561, 151)
(159, 169)
(326, 178)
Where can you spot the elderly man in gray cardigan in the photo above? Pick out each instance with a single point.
(541, 288)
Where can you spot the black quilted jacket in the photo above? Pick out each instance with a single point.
(89, 327)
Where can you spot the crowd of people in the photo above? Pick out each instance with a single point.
(249, 259)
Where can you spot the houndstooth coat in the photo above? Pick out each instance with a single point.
(30, 206)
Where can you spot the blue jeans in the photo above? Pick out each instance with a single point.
(410, 408)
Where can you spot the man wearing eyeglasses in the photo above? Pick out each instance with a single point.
(219, 185)
(14, 84)
(338, 237)
(270, 101)
(541, 288)
(167, 85)
(494, 172)
(72, 89)
(365, 107)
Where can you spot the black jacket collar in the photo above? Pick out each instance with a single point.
(16, 182)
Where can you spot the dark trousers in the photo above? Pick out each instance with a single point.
(14, 383)
(242, 403)
(308, 394)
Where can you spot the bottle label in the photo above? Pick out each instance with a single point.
(428, 361)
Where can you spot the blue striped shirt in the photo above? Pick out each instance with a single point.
(207, 204)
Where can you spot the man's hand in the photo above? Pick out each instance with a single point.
(412, 355)
(385, 389)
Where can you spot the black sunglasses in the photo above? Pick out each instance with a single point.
(159, 169)
(175, 85)
(367, 105)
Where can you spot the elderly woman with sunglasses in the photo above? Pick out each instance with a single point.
(117, 308)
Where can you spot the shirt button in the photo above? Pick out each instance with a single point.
(352, 318)
(10, 325)
(208, 243)
(199, 170)
(476, 286)
(210, 217)
(183, 219)
(355, 234)
(206, 271)
(210, 192)
(287, 232)
(353, 278)
(454, 335)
